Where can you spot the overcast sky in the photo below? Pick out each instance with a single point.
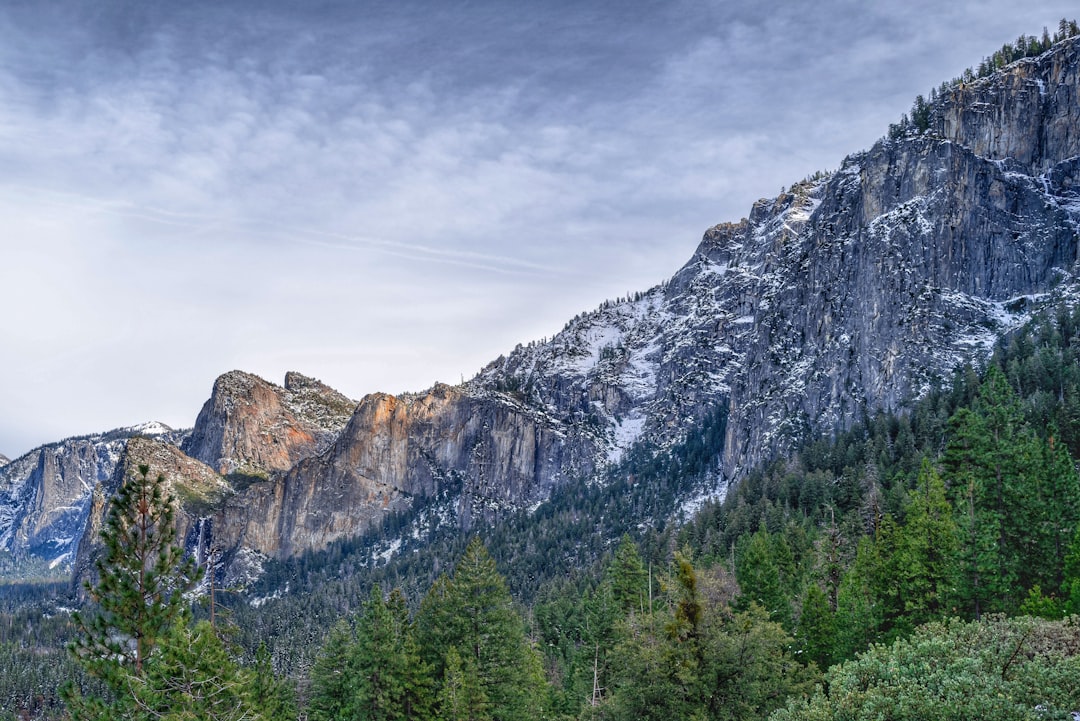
(387, 194)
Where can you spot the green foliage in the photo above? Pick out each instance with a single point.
(925, 560)
(391, 682)
(141, 579)
(693, 658)
(472, 613)
(140, 646)
(998, 669)
(627, 578)
(462, 696)
(816, 636)
(760, 575)
(195, 678)
(330, 696)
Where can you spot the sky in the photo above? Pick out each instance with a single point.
(383, 195)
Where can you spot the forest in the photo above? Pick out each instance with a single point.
(942, 540)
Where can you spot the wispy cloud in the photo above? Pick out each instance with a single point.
(385, 194)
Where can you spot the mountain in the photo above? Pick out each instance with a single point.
(46, 496)
(849, 293)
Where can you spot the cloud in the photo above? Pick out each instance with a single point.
(385, 194)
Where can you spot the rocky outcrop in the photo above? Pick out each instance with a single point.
(918, 256)
(255, 427)
(489, 454)
(46, 495)
(1028, 114)
(851, 293)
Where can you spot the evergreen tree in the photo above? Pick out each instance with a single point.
(858, 612)
(759, 576)
(990, 459)
(473, 613)
(1058, 515)
(816, 636)
(276, 698)
(331, 695)
(462, 696)
(628, 578)
(141, 579)
(195, 678)
(391, 683)
(1071, 584)
(926, 568)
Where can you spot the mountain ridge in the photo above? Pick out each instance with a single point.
(850, 293)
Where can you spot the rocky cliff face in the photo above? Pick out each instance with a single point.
(851, 293)
(45, 498)
(255, 427)
(488, 454)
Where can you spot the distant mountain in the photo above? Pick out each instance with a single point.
(850, 293)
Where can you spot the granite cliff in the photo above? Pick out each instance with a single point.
(851, 292)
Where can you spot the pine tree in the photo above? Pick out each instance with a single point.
(759, 576)
(628, 577)
(1058, 515)
(927, 552)
(858, 610)
(991, 461)
(195, 677)
(462, 696)
(1071, 584)
(331, 695)
(276, 698)
(473, 613)
(816, 636)
(141, 578)
(390, 680)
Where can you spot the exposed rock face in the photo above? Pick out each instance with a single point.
(4, 460)
(252, 426)
(491, 454)
(848, 294)
(918, 255)
(45, 497)
(1029, 114)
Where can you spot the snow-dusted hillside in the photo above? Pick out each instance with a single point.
(45, 497)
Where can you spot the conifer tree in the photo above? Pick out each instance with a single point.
(391, 683)
(816, 635)
(473, 613)
(858, 611)
(928, 548)
(195, 677)
(276, 697)
(462, 696)
(991, 458)
(628, 577)
(141, 578)
(759, 576)
(331, 697)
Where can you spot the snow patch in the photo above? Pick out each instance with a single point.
(386, 554)
(626, 431)
(63, 558)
